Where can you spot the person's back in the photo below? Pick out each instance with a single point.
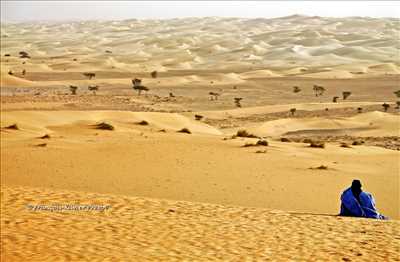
(356, 203)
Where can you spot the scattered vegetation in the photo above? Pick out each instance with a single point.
(185, 130)
(318, 90)
(321, 167)
(317, 144)
(93, 88)
(296, 89)
(89, 75)
(12, 127)
(73, 89)
(261, 151)
(237, 101)
(244, 133)
(346, 94)
(24, 54)
(143, 123)
(261, 142)
(343, 144)
(198, 117)
(214, 95)
(385, 106)
(137, 85)
(104, 126)
(357, 142)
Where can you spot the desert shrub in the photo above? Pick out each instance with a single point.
(307, 140)
(244, 133)
(185, 130)
(154, 74)
(321, 167)
(335, 98)
(317, 144)
(10, 72)
(198, 117)
(359, 110)
(13, 127)
(237, 101)
(104, 126)
(397, 93)
(162, 130)
(296, 89)
(143, 123)
(346, 94)
(262, 142)
(285, 139)
(73, 89)
(89, 75)
(385, 106)
(397, 105)
(93, 88)
(292, 111)
(343, 144)
(214, 95)
(46, 136)
(318, 90)
(42, 145)
(357, 143)
(261, 151)
(7, 55)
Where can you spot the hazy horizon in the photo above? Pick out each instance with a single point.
(28, 11)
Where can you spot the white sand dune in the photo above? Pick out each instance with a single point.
(198, 43)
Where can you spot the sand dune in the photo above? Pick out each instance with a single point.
(367, 124)
(152, 229)
(270, 45)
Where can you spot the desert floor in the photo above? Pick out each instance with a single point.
(205, 194)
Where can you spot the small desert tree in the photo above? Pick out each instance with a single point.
(292, 111)
(335, 98)
(89, 75)
(385, 106)
(237, 101)
(397, 93)
(397, 104)
(10, 72)
(296, 89)
(318, 90)
(346, 94)
(359, 110)
(154, 74)
(137, 85)
(73, 89)
(93, 88)
(213, 95)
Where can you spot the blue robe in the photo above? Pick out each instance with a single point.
(365, 208)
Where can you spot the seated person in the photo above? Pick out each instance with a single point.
(356, 203)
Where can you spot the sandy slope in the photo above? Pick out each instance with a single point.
(146, 229)
(141, 161)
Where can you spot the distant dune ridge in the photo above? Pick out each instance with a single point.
(293, 45)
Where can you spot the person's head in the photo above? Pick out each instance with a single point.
(356, 186)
